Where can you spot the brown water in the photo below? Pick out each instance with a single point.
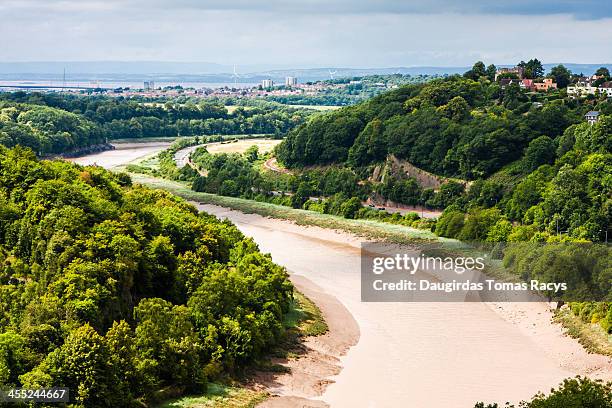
(413, 354)
(421, 354)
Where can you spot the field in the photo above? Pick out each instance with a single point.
(264, 145)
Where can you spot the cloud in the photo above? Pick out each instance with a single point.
(582, 9)
(305, 33)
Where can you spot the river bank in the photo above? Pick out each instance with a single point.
(122, 154)
(82, 151)
(407, 351)
(419, 354)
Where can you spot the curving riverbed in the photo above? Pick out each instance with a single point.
(411, 354)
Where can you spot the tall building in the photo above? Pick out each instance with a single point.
(267, 83)
(149, 85)
(290, 81)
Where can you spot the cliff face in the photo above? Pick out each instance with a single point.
(404, 169)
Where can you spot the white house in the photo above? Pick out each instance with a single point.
(592, 116)
(581, 89)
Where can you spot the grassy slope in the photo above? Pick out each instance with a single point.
(220, 396)
(591, 336)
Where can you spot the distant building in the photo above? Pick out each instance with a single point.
(606, 88)
(545, 85)
(518, 71)
(581, 89)
(149, 85)
(267, 83)
(290, 81)
(585, 87)
(592, 117)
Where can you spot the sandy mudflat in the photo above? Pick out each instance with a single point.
(419, 354)
(319, 359)
(407, 354)
(124, 153)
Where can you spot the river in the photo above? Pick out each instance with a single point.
(414, 354)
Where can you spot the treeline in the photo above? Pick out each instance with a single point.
(118, 292)
(118, 117)
(46, 130)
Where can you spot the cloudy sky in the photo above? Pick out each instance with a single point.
(307, 33)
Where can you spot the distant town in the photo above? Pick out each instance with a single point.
(529, 76)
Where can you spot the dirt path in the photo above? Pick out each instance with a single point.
(272, 165)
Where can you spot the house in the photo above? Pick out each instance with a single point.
(527, 84)
(581, 89)
(518, 71)
(606, 88)
(545, 85)
(592, 117)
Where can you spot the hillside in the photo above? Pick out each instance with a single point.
(520, 157)
(55, 123)
(454, 127)
(118, 291)
(44, 129)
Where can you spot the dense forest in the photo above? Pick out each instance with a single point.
(119, 291)
(45, 129)
(56, 123)
(454, 127)
(526, 158)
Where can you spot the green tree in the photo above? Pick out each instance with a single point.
(82, 364)
(350, 207)
(540, 151)
(561, 75)
(491, 70)
(603, 72)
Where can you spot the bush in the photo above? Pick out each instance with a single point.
(579, 392)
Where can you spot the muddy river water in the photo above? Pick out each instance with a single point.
(413, 354)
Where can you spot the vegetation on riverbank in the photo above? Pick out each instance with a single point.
(52, 123)
(579, 392)
(590, 334)
(220, 396)
(123, 293)
(364, 228)
(304, 319)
